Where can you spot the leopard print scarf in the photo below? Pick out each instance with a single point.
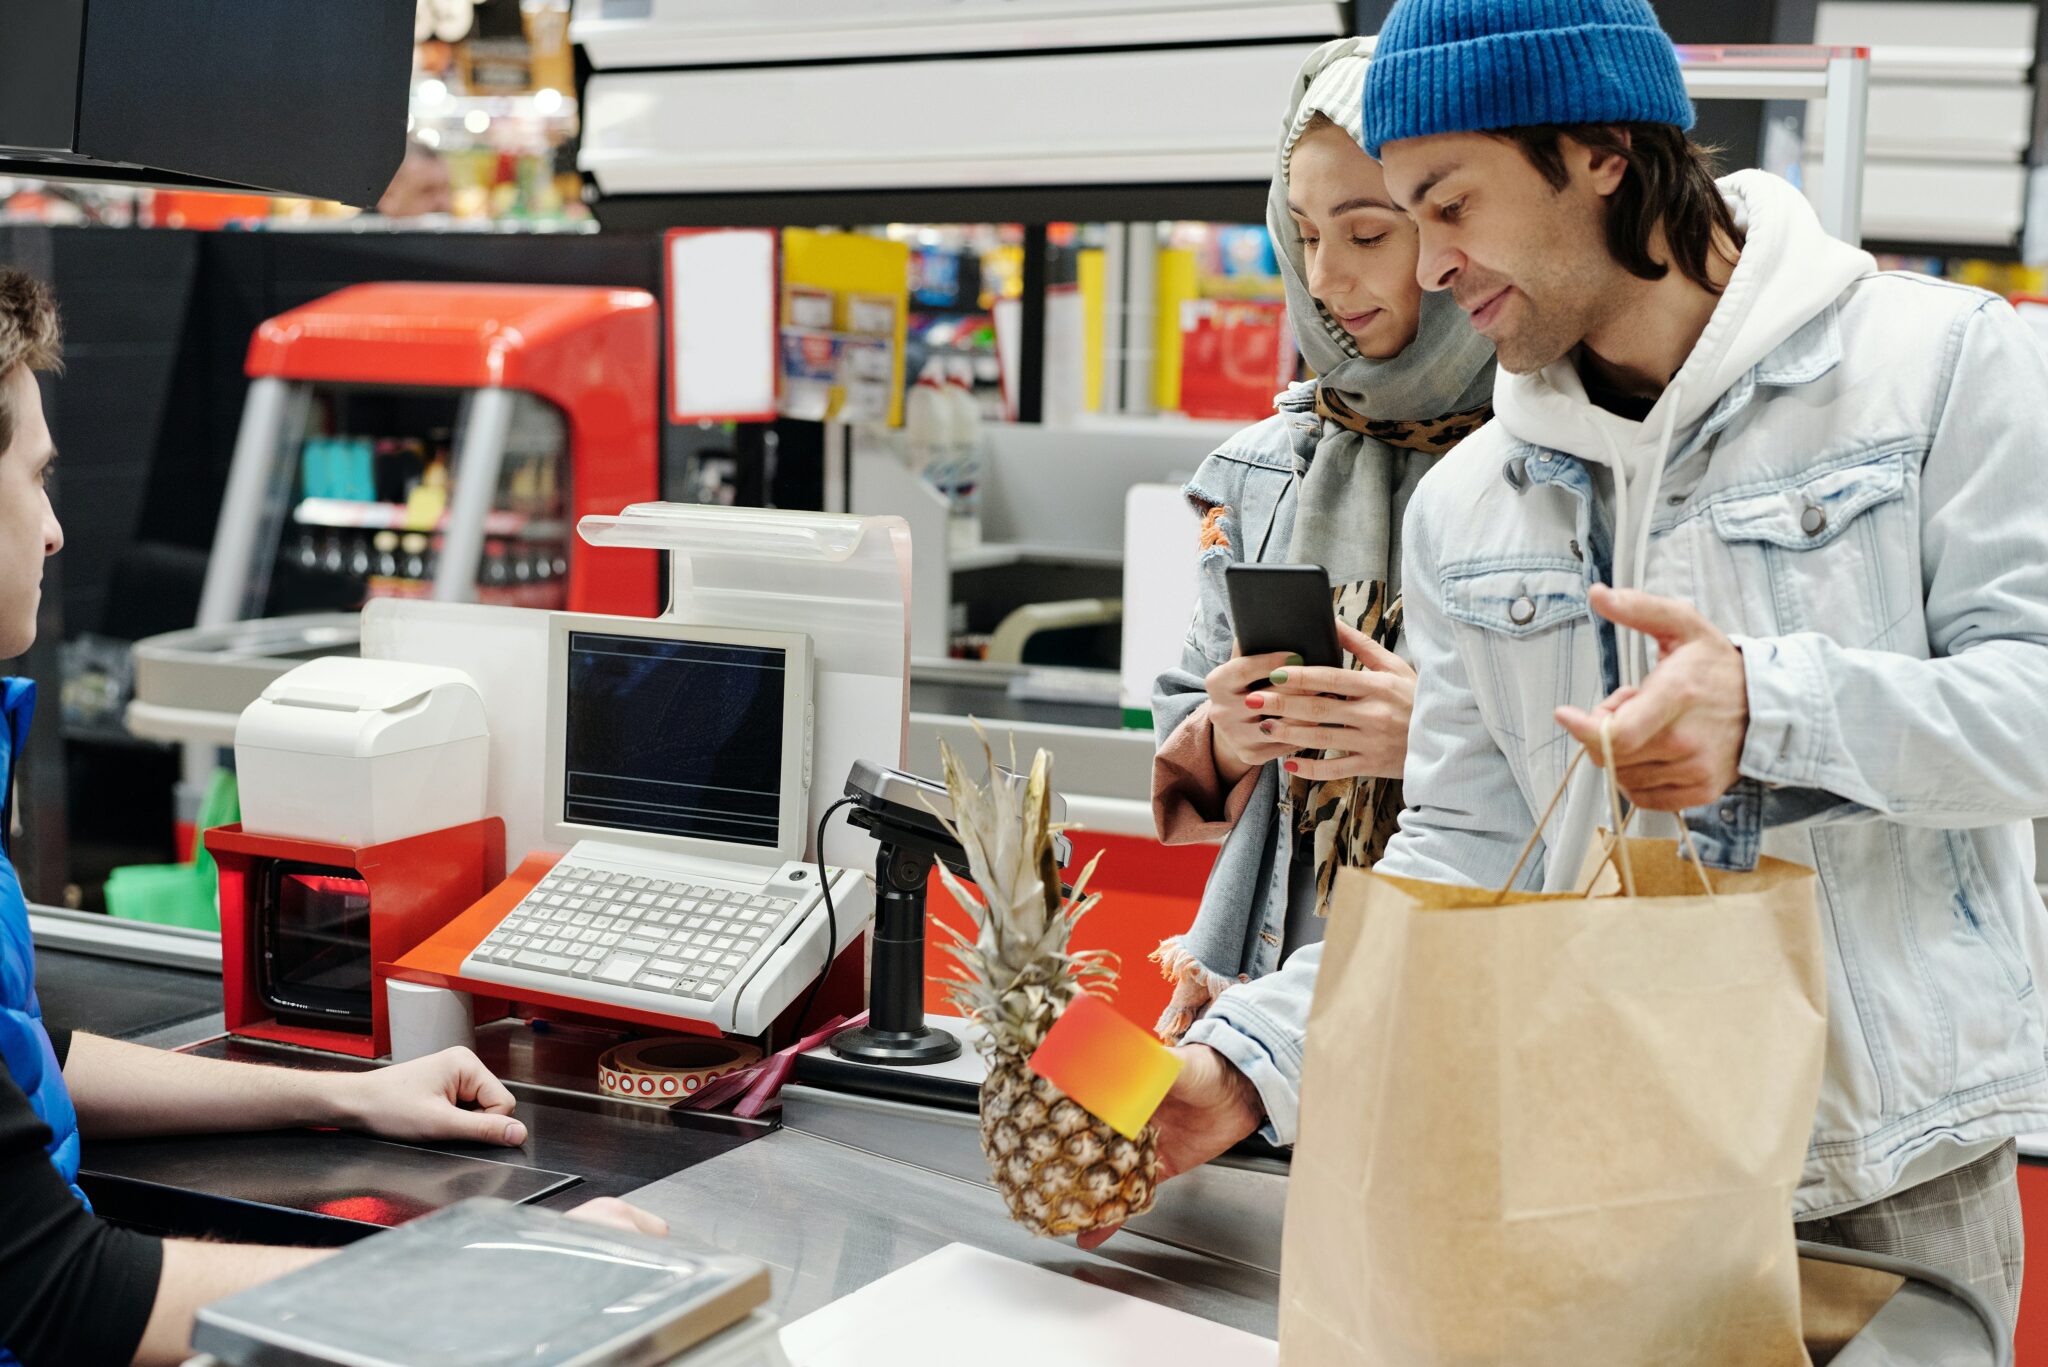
(1351, 820)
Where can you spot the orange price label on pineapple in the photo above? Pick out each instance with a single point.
(1113, 1066)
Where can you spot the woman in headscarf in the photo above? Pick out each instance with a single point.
(1299, 769)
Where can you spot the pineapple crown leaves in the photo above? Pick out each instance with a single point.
(1020, 971)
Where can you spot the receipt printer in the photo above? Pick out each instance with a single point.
(362, 752)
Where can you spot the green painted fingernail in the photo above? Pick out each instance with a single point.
(1296, 660)
(1279, 676)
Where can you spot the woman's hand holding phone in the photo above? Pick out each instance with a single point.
(1359, 716)
(1234, 735)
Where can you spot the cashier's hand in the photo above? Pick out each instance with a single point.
(449, 1095)
(1358, 716)
(1210, 1108)
(612, 1212)
(1677, 738)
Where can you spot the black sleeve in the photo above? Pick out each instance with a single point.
(60, 1040)
(73, 1288)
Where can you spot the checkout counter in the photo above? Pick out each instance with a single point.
(845, 1187)
(866, 1174)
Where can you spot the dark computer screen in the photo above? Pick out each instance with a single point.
(678, 738)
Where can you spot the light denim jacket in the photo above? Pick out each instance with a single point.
(1865, 511)
(1236, 934)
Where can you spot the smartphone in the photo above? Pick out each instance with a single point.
(1285, 608)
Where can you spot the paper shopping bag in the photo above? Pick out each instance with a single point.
(1556, 1131)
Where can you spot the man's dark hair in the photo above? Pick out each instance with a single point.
(1670, 181)
(29, 335)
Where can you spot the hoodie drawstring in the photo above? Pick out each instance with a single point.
(1639, 653)
(1632, 541)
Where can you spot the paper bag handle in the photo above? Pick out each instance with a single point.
(1616, 843)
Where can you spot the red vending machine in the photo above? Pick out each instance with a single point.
(441, 440)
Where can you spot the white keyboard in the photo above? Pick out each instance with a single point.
(633, 937)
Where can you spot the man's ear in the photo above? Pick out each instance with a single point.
(1602, 168)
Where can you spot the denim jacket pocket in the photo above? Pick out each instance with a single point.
(1826, 551)
(1528, 614)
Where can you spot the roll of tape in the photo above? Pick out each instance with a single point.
(672, 1068)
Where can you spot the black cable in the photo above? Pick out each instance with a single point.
(831, 917)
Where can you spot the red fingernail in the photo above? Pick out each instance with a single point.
(1256, 700)
(1265, 728)
(1290, 766)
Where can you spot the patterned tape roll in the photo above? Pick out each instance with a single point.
(672, 1068)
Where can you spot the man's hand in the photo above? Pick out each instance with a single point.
(425, 1099)
(1677, 738)
(1211, 1107)
(1359, 716)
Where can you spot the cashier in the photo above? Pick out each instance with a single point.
(74, 1289)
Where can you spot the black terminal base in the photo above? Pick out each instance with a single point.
(896, 1035)
(895, 1048)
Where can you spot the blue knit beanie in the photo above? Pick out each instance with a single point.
(1471, 66)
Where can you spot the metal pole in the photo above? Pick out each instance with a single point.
(1114, 237)
(477, 465)
(1141, 269)
(1841, 165)
(1031, 329)
(258, 447)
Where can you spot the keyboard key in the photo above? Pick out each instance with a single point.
(620, 967)
(695, 922)
(688, 952)
(579, 904)
(657, 885)
(756, 933)
(646, 899)
(581, 918)
(519, 942)
(552, 963)
(640, 945)
(610, 937)
(583, 968)
(700, 938)
(637, 884)
(672, 967)
(666, 903)
(734, 960)
(658, 982)
(722, 942)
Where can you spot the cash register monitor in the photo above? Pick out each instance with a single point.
(679, 739)
(679, 776)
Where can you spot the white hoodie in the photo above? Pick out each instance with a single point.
(1790, 270)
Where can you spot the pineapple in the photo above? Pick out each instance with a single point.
(1060, 1169)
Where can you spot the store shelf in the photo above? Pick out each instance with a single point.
(348, 515)
(683, 33)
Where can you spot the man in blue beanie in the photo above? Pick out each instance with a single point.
(1756, 500)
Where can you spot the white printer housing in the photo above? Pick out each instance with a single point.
(362, 752)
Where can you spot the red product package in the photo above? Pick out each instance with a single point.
(1235, 356)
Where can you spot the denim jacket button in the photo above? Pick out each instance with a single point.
(1522, 611)
(1813, 521)
(1728, 813)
